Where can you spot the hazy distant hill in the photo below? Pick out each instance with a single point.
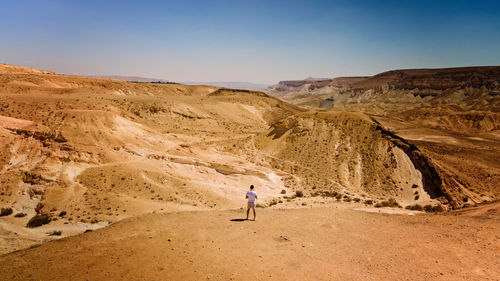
(130, 78)
(232, 85)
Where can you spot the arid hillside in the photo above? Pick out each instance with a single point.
(79, 153)
(452, 116)
(473, 87)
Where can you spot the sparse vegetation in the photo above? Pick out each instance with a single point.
(391, 202)
(38, 220)
(438, 208)
(20, 215)
(55, 233)
(283, 191)
(299, 193)
(5, 212)
(273, 202)
(430, 209)
(368, 202)
(356, 199)
(415, 207)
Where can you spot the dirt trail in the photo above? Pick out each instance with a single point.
(303, 244)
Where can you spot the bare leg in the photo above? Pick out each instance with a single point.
(248, 210)
(254, 213)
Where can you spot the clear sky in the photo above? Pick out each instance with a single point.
(255, 41)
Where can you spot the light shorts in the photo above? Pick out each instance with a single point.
(251, 205)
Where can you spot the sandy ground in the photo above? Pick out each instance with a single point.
(334, 243)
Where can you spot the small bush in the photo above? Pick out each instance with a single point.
(334, 194)
(39, 207)
(414, 186)
(347, 199)
(5, 212)
(416, 197)
(356, 199)
(368, 202)
(299, 193)
(437, 208)
(378, 205)
(62, 213)
(38, 220)
(283, 191)
(428, 208)
(338, 196)
(390, 203)
(415, 207)
(55, 233)
(20, 215)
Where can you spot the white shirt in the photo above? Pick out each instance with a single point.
(251, 196)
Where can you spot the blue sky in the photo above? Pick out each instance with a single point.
(255, 41)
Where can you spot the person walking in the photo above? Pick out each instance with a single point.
(252, 199)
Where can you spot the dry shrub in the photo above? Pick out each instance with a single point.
(368, 202)
(438, 208)
(430, 209)
(283, 191)
(38, 220)
(299, 193)
(356, 199)
(20, 215)
(55, 233)
(415, 207)
(330, 193)
(5, 212)
(390, 203)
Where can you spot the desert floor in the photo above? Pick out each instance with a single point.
(335, 242)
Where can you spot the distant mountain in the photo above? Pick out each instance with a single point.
(428, 80)
(471, 87)
(130, 78)
(232, 85)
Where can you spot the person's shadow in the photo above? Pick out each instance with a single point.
(238, 219)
